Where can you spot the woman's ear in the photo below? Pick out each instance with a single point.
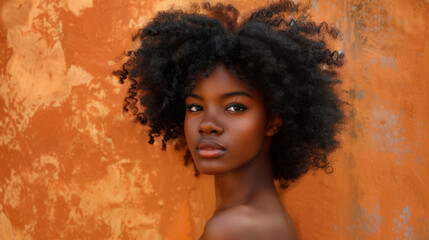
(274, 124)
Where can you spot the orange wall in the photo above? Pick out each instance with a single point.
(73, 166)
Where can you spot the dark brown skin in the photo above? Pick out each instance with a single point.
(223, 109)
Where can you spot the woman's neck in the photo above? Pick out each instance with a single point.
(239, 186)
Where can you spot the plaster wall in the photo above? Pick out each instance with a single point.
(74, 166)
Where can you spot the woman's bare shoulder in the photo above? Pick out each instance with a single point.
(244, 222)
(229, 224)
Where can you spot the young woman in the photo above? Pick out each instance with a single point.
(251, 100)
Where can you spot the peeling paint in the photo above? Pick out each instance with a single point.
(361, 94)
(365, 221)
(402, 225)
(77, 6)
(389, 134)
(6, 229)
(383, 61)
(74, 166)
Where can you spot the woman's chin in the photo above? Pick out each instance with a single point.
(211, 169)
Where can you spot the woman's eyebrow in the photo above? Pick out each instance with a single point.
(226, 95)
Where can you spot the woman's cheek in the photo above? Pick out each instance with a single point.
(189, 125)
(249, 134)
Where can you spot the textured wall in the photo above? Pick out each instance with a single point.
(73, 166)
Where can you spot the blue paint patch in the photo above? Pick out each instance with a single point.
(418, 160)
(405, 216)
(383, 61)
(397, 222)
(390, 134)
(388, 62)
(361, 94)
(365, 221)
(408, 232)
(401, 224)
(376, 98)
(420, 142)
(316, 6)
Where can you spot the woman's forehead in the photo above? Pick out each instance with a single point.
(221, 81)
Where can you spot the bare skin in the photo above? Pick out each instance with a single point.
(248, 207)
(224, 111)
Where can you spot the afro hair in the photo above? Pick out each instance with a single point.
(277, 49)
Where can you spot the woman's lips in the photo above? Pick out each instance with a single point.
(210, 149)
(210, 153)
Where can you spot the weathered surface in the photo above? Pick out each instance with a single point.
(73, 166)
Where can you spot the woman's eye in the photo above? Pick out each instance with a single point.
(193, 108)
(236, 107)
(231, 108)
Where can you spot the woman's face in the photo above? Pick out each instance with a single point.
(225, 123)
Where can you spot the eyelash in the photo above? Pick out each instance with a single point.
(241, 106)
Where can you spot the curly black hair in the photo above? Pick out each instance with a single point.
(277, 49)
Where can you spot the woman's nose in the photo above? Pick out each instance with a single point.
(210, 125)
